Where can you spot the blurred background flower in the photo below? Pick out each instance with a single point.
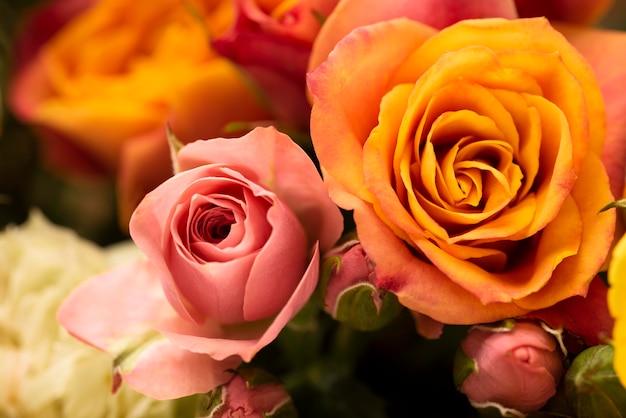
(44, 372)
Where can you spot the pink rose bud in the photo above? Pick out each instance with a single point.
(253, 393)
(350, 291)
(515, 367)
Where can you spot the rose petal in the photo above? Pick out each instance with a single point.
(247, 339)
(165, 371)
(117, 311)
(343, 108)
(116, 315)
(610, 73)
(287, 171)
(352, 14)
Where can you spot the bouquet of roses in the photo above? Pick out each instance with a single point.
(331, 207)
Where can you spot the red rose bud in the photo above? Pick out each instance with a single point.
(591, 386)
(514, 368)
(251, 392)
(350, 292)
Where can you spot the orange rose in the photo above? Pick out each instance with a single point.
(102, 88)
(471, 159)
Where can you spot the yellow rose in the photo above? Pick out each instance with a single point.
(617, 307)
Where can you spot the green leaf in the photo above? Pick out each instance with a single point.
(592, 386)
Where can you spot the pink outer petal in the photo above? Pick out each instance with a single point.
(350, 14)
(609, 66)
(271, 159)
(117, 311)
(281, 262)
(575, 11)
(165, 371)
(125, 301)
(245, 340)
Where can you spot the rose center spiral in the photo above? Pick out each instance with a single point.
(213, 225)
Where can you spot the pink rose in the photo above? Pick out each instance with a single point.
(252, 393)
(233, 243)
(514, 368)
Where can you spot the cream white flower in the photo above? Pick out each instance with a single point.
(44, 372)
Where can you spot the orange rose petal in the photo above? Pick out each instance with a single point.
(559, 87)
(557, 176)
(350, 14)
(207, 101)
(444, 187)
(530, 275)
(572, 276)
(346, 102)
(378, 151)
(510, 224)
(100, 127)
(609, 66)
(420, 286)
(526, 34)
(528, 127)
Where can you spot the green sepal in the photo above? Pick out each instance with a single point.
(255, 376)
(175, 146)
(621, 203)
(209, 403)
(463, 366)
(356, 307)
